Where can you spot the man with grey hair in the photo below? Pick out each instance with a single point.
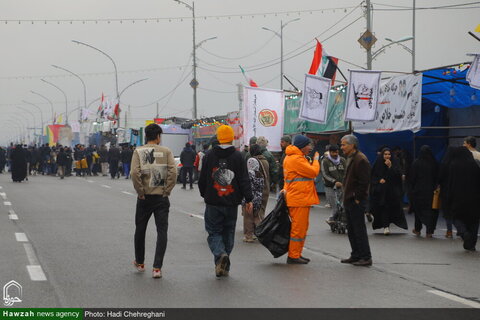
(355, 196)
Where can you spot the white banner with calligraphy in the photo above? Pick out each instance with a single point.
(362, 95)
(473, 74)
(399, 106)
(262, 115)
(315, 98)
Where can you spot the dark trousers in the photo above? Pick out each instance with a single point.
(159, 206)
(357, 231)
(470, 235)
(184, 176)
(428, 217)
(220, 224)
(113, 168)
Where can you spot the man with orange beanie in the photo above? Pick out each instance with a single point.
(223, 184)
(300, 193)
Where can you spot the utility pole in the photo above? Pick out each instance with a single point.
(194, 81)
(413, 40)
(281, 55)
(157, 111)
(369, 27)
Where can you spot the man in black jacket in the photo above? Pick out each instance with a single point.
(223, 183)
(187, 159)
(126, 157)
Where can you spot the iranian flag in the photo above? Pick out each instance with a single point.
(250, 81)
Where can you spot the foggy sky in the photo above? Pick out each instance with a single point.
(159, 50)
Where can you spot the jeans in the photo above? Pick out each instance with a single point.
(184, 176)
(357, 231)
(159, 206)
(220, 224)
(331, 200)
(126, 170)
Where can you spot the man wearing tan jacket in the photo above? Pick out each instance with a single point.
(154, 176)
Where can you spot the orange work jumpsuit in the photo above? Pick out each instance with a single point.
(301, 194)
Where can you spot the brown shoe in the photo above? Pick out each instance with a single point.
(349, 260)
(221, 265)
(415, 232)
(363, 263)
(449, 234)
(429, 235)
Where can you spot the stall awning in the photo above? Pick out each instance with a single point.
(447, 86)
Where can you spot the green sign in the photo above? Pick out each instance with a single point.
(41, 313)
(336, 106)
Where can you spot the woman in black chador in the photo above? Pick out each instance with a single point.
(19, 164)
(463, 193)
(386, 193)
(423, 181)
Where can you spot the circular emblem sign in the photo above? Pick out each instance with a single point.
(268, 118)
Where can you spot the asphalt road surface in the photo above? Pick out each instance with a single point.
(69, 243)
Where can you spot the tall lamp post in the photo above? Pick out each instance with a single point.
(194, 82)
(280, 35)
(81, 80)
(41, 117)
(48, 100)
(391, 43)
(114, 66)
(64, 95)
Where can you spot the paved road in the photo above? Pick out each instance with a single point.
(72, 246)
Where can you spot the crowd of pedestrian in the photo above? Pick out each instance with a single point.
(62, 161)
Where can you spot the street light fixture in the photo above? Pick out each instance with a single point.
(64, 95)
(114, 66)
(41, 115)
(81, 80)
(280, 35)
(392, 42)
(194, 82)
(48, 100)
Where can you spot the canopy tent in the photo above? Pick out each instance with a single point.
(449, 105)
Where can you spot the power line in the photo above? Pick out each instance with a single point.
(170, 19)
(67, 75)
(252, 67)
(243, 56)
(406, 8)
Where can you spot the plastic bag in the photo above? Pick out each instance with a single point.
(274, 231)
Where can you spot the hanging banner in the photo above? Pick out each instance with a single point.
(362, 95)
(336, 107)
(315, 98)
(262, 115)
(399, 106)
(473, 74)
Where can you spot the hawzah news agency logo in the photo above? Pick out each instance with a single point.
(12, 293)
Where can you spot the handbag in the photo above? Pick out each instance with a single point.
(436, 199)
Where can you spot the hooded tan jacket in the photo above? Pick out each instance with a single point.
(153, 170)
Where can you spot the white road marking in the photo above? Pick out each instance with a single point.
(91, 181)
(7, 203)
(21, 237)
(129, 193)
(105, 186)
(13, 217)
(191, 214)
(455, 298)
(31, 256)
(3, 195)
(36, 273)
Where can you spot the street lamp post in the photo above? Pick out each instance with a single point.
(194, 82)
(48, 100)
(114, 66)
(41, 117)
(64, 95)
(83, 84)
(34, 122)
(391, 43)
(280, 35)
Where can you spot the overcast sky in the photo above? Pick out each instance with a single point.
(161, 51)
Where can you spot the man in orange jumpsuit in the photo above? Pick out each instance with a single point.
(300, 193)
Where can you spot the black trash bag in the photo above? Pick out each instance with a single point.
(274, 231)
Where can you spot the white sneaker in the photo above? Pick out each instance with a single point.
(386, 231)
